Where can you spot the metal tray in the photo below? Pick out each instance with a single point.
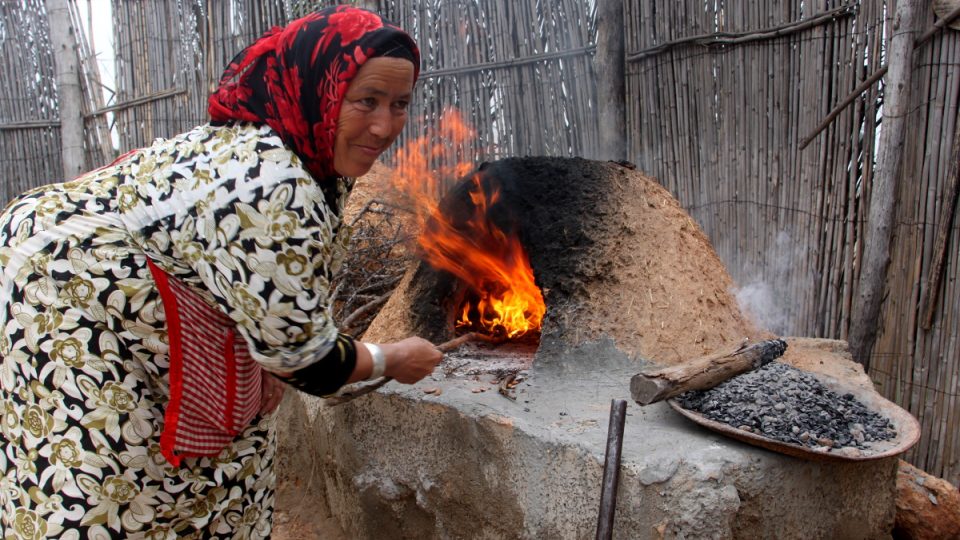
(908, 429)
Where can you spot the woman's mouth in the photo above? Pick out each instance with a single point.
(373, 151)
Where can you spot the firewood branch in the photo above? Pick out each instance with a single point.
(373, 268)
(365, 309)
(703, 373)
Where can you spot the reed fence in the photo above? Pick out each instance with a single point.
(722, 98)
(29, 123)
(917, 357)
(519, 72)
(723, 103)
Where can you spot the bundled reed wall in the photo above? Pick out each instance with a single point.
(916, 366)
(29, 119)
(719, 98)
(519, 72)
(170, 55)
(720, 125)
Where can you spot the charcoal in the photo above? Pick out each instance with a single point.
(786, 404)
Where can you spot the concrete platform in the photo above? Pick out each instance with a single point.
(460, 463)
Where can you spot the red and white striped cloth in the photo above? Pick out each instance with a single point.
(214, 382)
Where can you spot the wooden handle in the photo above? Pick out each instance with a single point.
(448, 346)
(704, 372)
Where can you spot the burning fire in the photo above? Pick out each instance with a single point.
(503, 298)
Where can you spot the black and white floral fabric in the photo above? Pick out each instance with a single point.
(83, 348)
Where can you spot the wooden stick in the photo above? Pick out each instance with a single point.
(366, 308)
(611, 469)
(30, 124)
(529, 59)
(362, 389)
(730, 38)
(170, 92)
(704, 372)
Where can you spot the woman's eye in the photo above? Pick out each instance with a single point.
(401, 105)
(367, 104)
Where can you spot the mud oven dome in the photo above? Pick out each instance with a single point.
(627, 277)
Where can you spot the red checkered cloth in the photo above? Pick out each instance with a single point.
(214, 383)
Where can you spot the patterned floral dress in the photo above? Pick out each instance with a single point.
(84, 368)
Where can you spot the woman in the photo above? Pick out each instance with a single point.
(141, 303)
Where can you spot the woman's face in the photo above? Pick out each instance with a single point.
(372, 114)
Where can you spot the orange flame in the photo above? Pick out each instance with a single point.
(503, 298)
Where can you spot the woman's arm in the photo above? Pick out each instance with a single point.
(262, 237)
(407, 361)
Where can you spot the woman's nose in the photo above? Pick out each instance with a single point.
(380, 122)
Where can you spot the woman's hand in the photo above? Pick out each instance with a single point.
(411, 359)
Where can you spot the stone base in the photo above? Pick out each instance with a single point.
(461, 463)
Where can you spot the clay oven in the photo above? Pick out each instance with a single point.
(626, 277)
(612, 252)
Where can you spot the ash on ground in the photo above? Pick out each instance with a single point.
(789, 405)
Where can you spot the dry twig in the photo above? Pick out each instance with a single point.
(506, 384)
(373, 268)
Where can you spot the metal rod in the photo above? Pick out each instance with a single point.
(611, 469)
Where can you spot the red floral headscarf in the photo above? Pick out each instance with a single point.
(294, 78)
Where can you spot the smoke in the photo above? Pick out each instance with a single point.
(758, 301)
(765, 298)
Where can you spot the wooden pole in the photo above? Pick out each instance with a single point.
(155, 96)
(886, 188)
(611, 469)
(609, 69)
(63, 39)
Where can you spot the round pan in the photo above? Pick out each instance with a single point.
(907, 427)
